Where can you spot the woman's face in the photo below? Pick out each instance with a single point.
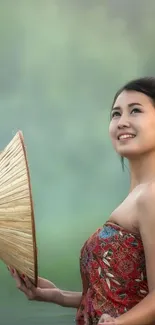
(132, 126)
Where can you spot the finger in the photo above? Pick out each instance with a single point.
(11, 270)
(20, 284)
(44, 283)
(27, 282)
(105, 317)
(18, 280)
(108, 322)
(14, 274)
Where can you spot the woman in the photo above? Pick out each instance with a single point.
(118, 261)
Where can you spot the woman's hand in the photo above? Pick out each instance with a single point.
(44, 283)
(24, 285)
(30, 291)
(107, 320)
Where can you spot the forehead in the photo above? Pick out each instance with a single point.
(127, 97)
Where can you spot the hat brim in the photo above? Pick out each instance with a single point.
(18, 247)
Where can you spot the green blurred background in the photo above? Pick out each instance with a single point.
(61, 62)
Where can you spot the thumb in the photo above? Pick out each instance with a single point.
(105, 317)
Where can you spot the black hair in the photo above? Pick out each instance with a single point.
(145, 85)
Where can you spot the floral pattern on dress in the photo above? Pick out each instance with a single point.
(113, 273)
(107, 232)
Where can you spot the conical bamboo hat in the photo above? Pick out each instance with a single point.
(17, 226)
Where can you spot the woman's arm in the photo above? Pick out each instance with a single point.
(46, 291)
(144, 312)
(60, 297)
(68, 298)
(72, 298)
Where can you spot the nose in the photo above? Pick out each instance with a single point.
(123, 122)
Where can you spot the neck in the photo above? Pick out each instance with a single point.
(142, 169)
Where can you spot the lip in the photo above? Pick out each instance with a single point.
(132, 135)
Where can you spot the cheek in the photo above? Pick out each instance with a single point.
(112, 131)
(150, 137)
(149, 132)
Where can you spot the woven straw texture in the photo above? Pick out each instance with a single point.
(17, 228)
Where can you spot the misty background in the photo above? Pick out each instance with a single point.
(61, 63)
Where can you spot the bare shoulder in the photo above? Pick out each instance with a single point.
(146, 199)
(146, 225)
(146, 209)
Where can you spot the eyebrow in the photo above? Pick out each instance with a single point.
(129, 105)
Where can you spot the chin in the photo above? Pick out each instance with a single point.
(129, 153)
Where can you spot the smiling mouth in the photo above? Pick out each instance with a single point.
(126, 136)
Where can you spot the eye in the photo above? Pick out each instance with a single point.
(115, 114)
(136, 110)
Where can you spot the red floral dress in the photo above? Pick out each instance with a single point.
(113, 274)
